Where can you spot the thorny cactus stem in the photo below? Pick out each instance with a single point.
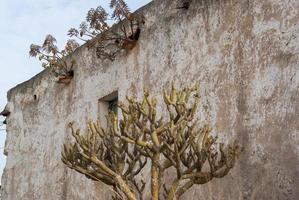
(117, 155)
(155, 183)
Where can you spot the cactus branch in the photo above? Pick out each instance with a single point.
(118, 154)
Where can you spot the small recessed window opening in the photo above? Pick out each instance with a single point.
(106, 105)
(112, 105)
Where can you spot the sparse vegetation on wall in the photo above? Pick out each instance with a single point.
(97, 33)
(53, 58)
(108, 41)
(118, 154)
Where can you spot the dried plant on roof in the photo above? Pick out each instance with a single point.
(108, 41)
(118, 154)
(51, 57)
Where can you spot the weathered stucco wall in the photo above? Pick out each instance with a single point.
(244, 54)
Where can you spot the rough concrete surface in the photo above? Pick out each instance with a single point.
(244, 54)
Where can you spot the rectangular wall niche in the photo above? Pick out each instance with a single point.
(105, 105)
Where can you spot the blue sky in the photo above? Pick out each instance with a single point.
(23, 22)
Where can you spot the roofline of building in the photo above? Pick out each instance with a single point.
(45, 71)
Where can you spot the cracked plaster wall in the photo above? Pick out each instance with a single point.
(244, 54)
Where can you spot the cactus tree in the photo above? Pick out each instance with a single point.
(116, 155)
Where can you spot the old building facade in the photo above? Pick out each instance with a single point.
(243, 53)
